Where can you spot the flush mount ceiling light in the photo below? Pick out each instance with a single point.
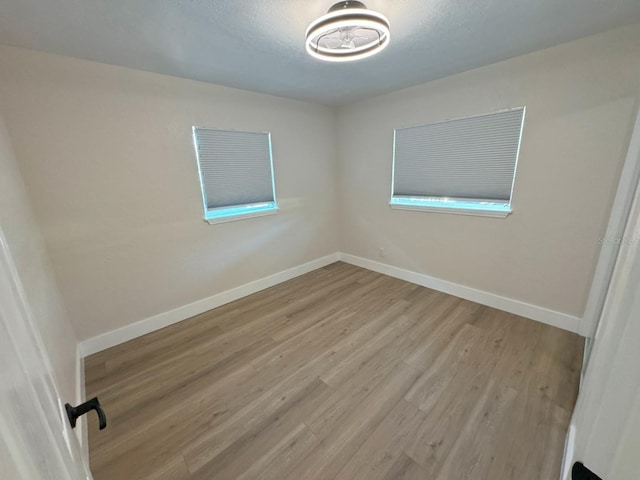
(349, 31)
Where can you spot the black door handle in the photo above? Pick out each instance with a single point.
(74, 412)
(580, 472)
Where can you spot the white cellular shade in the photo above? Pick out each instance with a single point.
(471, 158)
(235, 167)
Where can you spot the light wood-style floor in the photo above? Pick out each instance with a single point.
(341, 373)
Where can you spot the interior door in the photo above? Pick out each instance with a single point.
(604, 433)
(36, 440)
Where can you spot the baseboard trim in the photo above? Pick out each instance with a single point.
(534, 312)
(156, 322)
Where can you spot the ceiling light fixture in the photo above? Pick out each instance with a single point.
(349, 31)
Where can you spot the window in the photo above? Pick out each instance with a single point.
(236, 174)
(462, 166)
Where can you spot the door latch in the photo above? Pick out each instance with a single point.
(74, 412)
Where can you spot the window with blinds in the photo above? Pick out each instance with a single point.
(236, 173)
(463, 166)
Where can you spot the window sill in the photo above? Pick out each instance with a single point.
(233, 214)
(456, 207)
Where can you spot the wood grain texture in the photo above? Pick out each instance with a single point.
(344, 374)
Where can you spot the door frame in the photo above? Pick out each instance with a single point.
(603, 322)
(614, 236)
(26, 337)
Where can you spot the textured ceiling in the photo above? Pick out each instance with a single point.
(259, 44)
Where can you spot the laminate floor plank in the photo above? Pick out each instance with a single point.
(257, 445)
(379, 455)
(354, 427)
(283, 457)
(341, 373)
(405, 468)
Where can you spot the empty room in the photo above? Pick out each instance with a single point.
(319, 240)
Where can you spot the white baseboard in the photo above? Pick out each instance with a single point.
(534, 312)
(156, 322)
(148, 325)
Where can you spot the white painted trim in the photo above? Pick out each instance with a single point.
(615, 231)
(156, 322)
(616, 228)
(242, 216)
(534, 312)
(477, 212)
(569, 449)
(81, 392)
(603, 414)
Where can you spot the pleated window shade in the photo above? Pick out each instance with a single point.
(470, 159)
(236, 171)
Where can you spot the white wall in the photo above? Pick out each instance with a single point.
(28, 250)
(581, 100)
(108, 160)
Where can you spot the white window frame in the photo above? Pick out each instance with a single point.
(453, 205)
(235, 212)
